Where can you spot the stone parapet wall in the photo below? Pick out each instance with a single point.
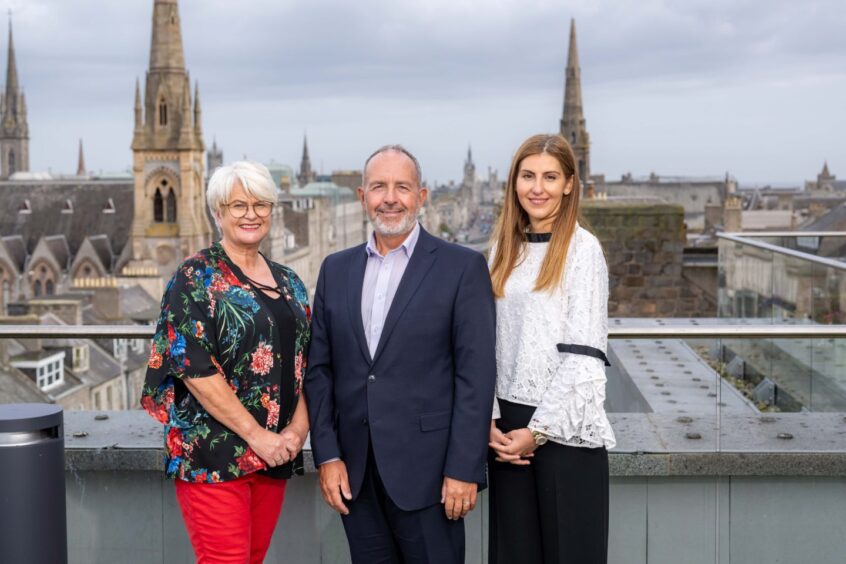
(644, 245)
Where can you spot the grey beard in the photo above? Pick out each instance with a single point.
(403, 226)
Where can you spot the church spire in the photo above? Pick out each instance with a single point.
(14, 131)
(166, 47)
(306, 175)
(573, 126)
(80, 165)
(12, 88)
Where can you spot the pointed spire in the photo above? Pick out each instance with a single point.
(11, 69)
(12, 104)
(573, 86)
(139, 119)
(80, 166)
(573, 52)
(573, 125)
(198, 111)
(825, 172)
(166, 48)
(469, 154)
(306, 175)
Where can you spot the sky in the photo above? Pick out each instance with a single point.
(755, 88)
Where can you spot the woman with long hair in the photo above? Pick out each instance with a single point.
(548, 464)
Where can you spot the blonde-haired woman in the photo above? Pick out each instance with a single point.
(548, 460)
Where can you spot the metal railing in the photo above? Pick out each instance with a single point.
(745, 239)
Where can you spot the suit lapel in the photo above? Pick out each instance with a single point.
(421, 261)
(354, 285)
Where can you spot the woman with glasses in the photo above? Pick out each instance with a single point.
(225, 375)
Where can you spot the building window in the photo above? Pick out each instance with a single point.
(171, 206)
(12, 162)
(36, 288)
(49, 288)
(50, 374)
(158, 207)
(162, 112)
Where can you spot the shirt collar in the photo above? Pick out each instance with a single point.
(407, 245)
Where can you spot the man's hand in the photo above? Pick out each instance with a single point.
(514, 447)
(269, 446)
(334, 483)
(458, 497)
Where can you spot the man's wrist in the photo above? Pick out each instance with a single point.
(336, 459)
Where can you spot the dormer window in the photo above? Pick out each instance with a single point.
(68, 207)
(48, 371)
(25, 207)
(109, 206)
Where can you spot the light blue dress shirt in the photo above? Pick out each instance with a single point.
(382, 277)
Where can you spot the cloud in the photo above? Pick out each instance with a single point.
(671, 78)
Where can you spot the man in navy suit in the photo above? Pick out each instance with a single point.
(401, 377)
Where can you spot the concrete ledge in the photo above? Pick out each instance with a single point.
(132, 441)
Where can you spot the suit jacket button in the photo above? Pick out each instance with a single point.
(371, 378)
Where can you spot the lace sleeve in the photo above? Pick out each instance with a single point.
(571, 410)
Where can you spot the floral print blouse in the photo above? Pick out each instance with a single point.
(213, 321)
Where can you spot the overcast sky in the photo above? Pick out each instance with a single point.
(692, 87)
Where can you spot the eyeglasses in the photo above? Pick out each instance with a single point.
(239, 209)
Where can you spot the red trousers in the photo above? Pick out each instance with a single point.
(231, 522)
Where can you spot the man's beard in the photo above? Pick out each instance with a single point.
(401, 227)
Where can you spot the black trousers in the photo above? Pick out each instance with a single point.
(379, 532)
(554, 510)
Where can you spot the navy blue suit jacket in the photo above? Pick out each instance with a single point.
(425, 398)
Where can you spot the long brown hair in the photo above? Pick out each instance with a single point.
(510, 234)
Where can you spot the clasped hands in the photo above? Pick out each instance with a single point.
(276, 449)
(458, 497)
(515, 447)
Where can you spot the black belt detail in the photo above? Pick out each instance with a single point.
(585, 350)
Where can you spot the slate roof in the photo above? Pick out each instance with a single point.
(48, 198)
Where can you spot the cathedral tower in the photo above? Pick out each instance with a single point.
(573, 126)
(14, 131)
(169, 220)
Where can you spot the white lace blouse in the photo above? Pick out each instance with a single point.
(567, 388)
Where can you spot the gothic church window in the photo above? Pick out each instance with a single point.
(162, 112)
(36, 288)
(171, 207)
(49, 288)
(12, 162)
(158, 207)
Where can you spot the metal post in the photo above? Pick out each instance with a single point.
(33, 523)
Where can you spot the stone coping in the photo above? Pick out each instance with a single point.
(648, 445)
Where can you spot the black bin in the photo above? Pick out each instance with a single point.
(33, 524)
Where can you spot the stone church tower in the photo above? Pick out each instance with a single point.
(14, 131)
(573, 126)
(169, 219)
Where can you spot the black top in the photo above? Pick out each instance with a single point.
(538, 237)
(285, 336)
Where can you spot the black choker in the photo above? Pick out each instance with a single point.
(538, 237)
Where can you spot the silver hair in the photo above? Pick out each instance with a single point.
(252, 176)
(396, 149)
